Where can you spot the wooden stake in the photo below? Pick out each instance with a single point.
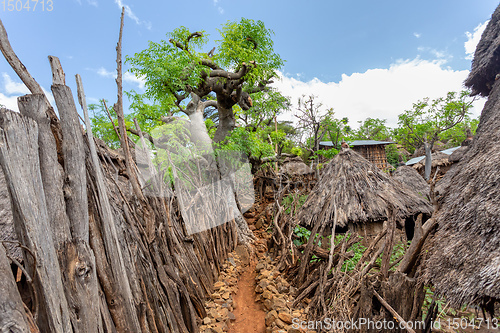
(402, 322)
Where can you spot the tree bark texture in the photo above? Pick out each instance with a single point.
(19, 160)
(12, 316)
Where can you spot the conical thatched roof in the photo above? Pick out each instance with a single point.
(294, 166)
(411, 178)
(358, 192)
(486, 63)
(465, 262)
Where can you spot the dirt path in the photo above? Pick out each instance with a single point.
(250, 318)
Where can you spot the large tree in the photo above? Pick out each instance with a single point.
(425, 123)
(181, 73)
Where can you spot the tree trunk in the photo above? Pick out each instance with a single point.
(37, 107)
(428, 161)
(227, 122)
(203, 144)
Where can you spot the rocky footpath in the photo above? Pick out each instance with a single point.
(221, 304)
(276, 295)
(269, 290)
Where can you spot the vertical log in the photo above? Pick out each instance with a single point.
(389, 240)
(19, 160)
(78, 262)
(121, 118)
(109, 258)
(12, 315)
(74, 155)
(36, 107)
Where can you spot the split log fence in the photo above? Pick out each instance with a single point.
(99, 255)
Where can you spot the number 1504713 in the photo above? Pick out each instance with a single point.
(27, 5)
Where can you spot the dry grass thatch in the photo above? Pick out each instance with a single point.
(294, 166)
(486, 63)
(411, 178)
(358, 192)
(457, 155)
(465, 262)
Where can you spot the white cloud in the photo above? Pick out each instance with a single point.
(438, 54)
(417, 34)
(219, 8)
(105, 73)
(93, 3)
(473, 39)
(381, 92)
(127, 77)
(14, 88)
(130, 14)
(11, 90)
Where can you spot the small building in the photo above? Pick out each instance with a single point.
(360, 199)
(372, 150)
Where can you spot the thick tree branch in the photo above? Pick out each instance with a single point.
(232, 76)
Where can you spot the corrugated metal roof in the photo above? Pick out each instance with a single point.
(450, 150)
(415, 160)
(358, 143)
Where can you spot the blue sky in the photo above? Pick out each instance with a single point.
(363, 58)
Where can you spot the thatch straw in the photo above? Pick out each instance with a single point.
(411, 178)
(464, 264)
(294, 166)
(486, 63)
(457, 155)
(358, 192)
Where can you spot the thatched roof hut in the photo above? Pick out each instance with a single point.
(465, 261)
(358, 193)
(486, 63)
(295, 167)
(411, 178)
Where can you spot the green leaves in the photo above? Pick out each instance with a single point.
(428, 120)
(246, 41)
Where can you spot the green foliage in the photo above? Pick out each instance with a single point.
(289, 199)
(398, 251)
(296, 151)
(327, 153)
(246, 41)
(101, 126)
(457, 134)
(178, 64)
(351, 263)
(251, 143)
(148, 118)
(393, 155)
(302, 235)
(428, 298)
(335, 130)
(372, 129)
(429, 119)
